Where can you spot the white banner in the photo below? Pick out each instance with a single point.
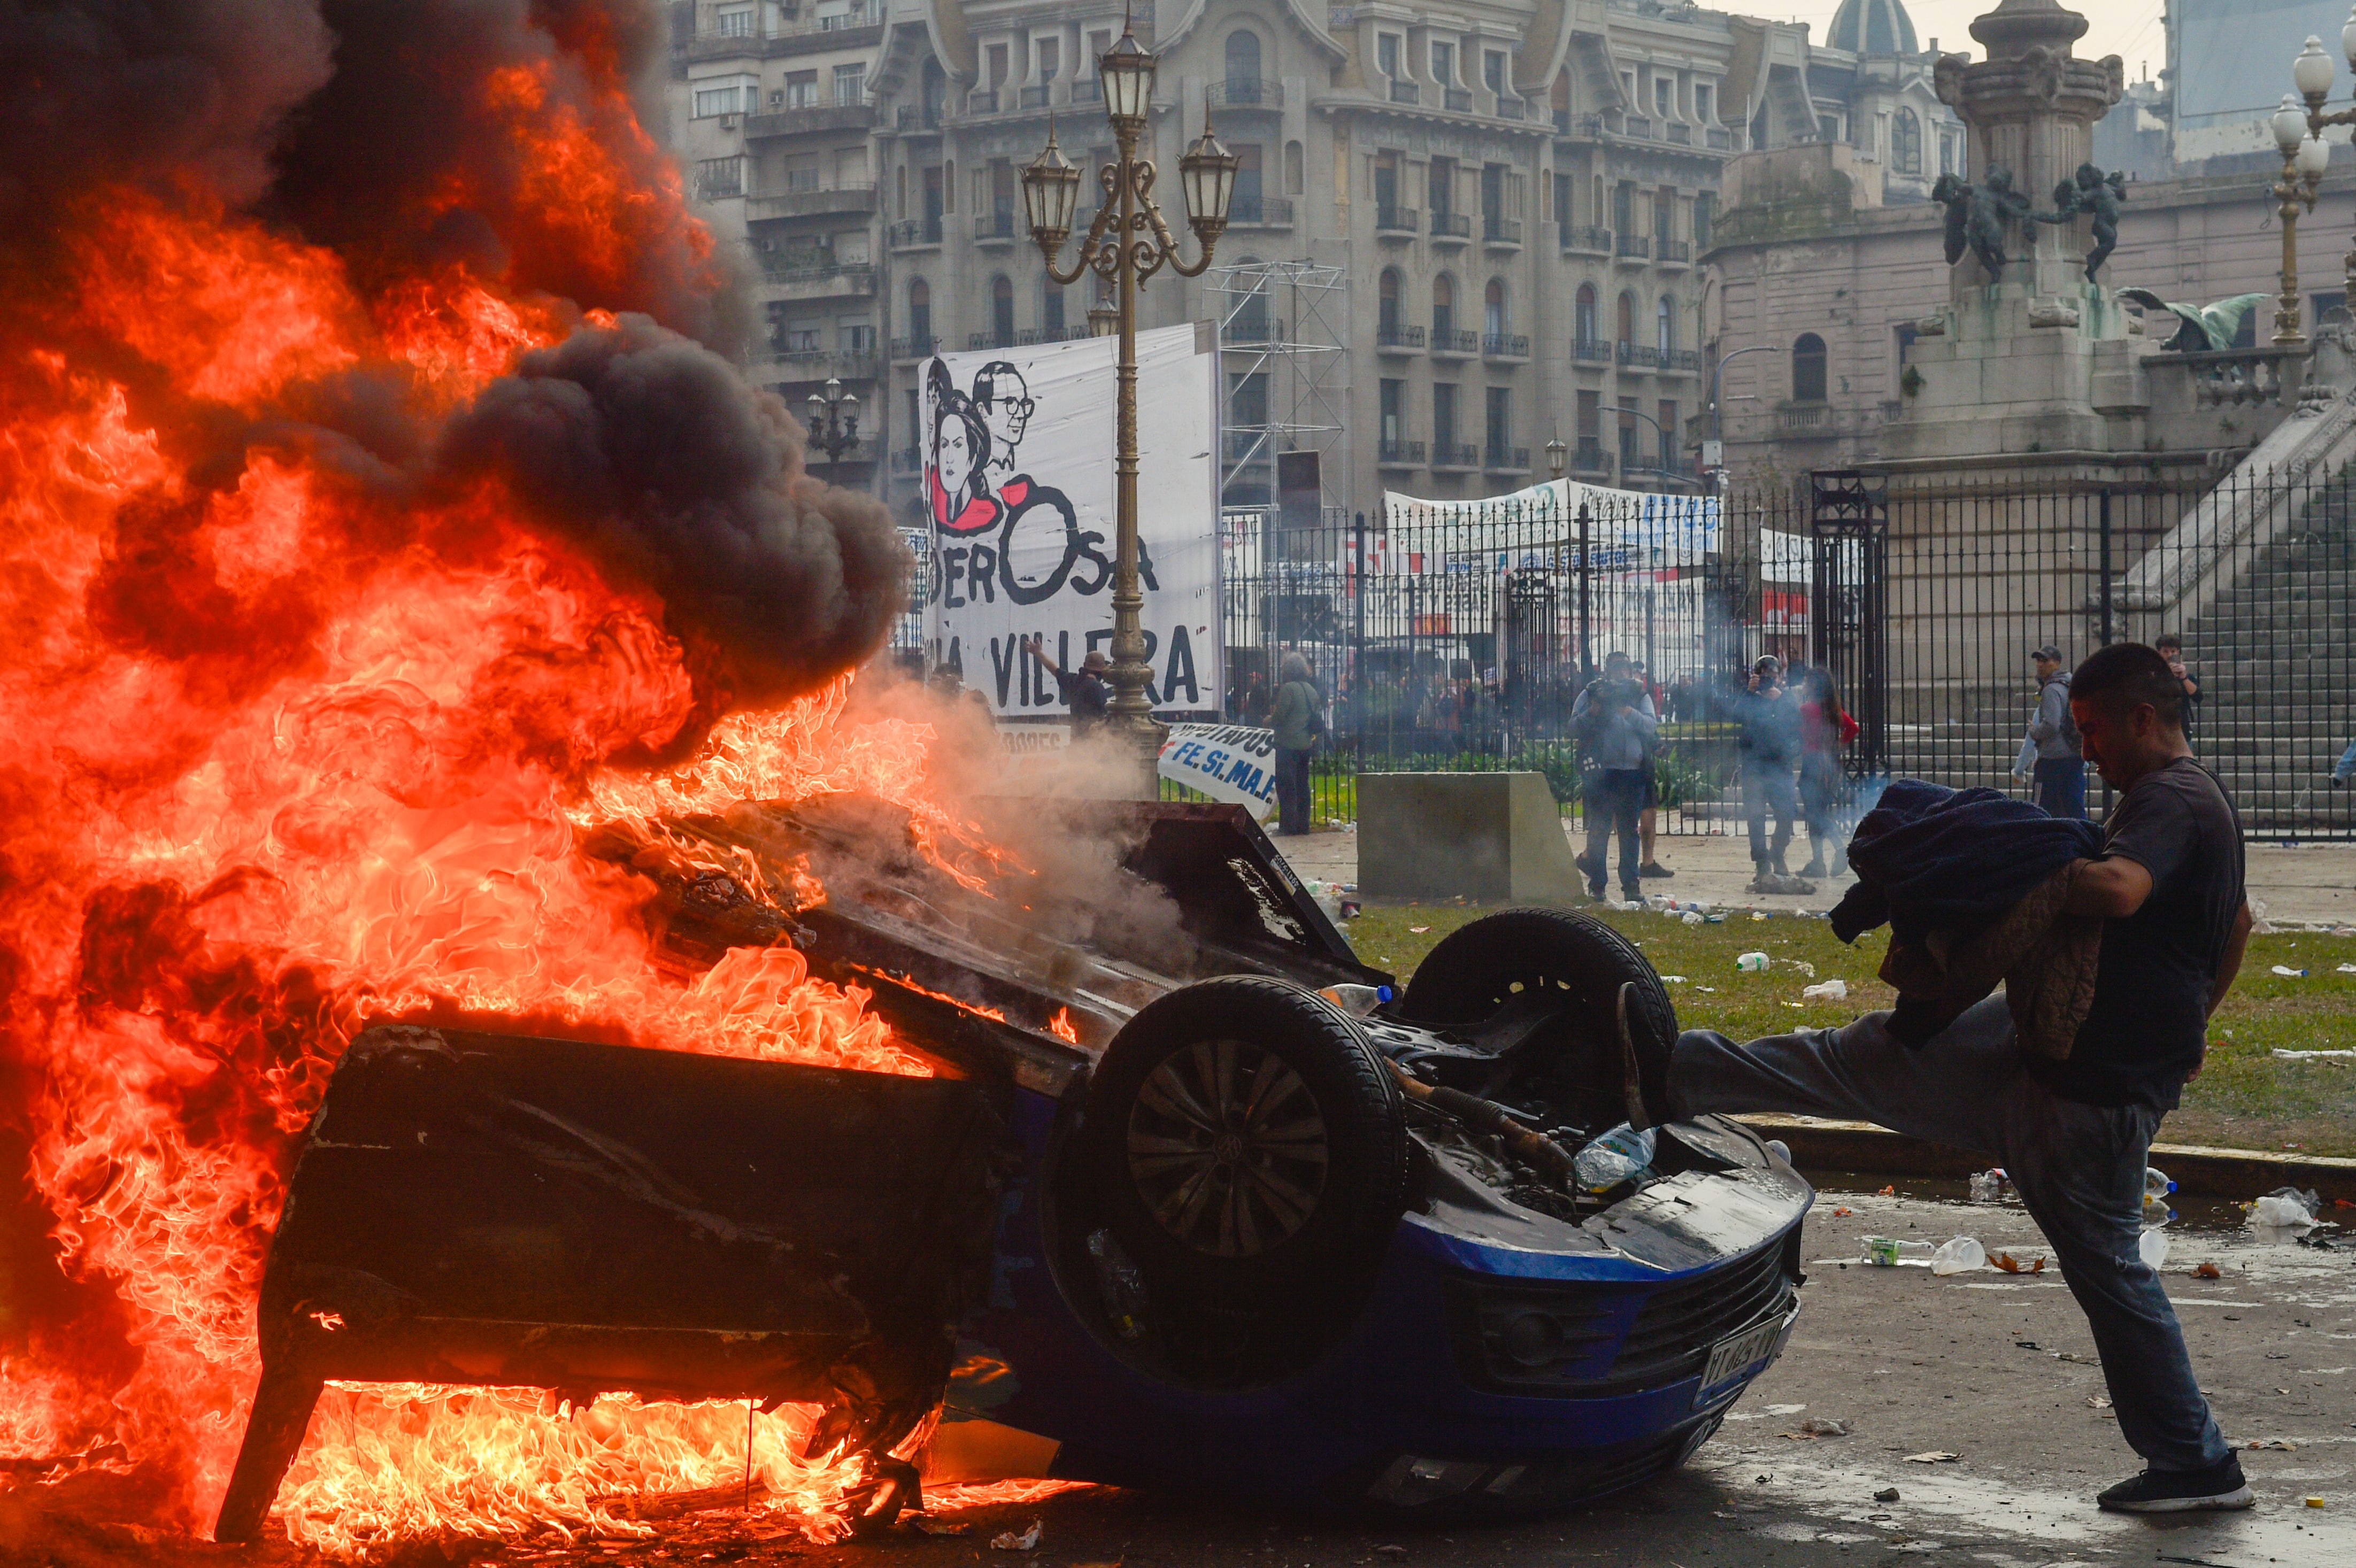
(1626, 529)
(1018, 450)
(1231, 763)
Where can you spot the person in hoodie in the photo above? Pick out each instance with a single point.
(2049, 752)
(1617, 728)
(1768, 746)
(2071, 1129)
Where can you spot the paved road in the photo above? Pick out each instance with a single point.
(1910, 1363)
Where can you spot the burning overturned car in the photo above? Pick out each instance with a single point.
(1189, 1200)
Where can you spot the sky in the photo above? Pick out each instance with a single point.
(2130, 29)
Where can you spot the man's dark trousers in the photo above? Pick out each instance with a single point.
(2062, 786)
(1615, 798)
(2078, 1167)
(1291, 789)
(1768, 786)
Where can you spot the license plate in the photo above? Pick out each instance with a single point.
(1745, 1349)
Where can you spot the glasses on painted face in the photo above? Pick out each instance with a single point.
(1018, 407)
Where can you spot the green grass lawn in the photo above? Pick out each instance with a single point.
(2244, 1098)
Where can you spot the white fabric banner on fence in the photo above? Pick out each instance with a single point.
(1232, 762)
(1626, 530)
(1017, 449)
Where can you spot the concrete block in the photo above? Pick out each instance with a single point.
(1489, 836)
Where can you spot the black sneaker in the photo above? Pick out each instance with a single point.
(1653, 868)
(2218, 1487)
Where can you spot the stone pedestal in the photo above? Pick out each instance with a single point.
(1493, 837)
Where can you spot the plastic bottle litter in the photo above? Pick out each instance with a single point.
(1752, 962)
(1691, 917)
(1888, 1252)
(1988, 1186)
(1328, 897)
(2152, 1248)
(1960, 1255)
(2285, 1208)
(1825, 991)
(1356, 1000)
(2287, 972)
(2155, 1189)
(1616, 1156)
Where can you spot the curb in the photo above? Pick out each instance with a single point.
(1822, 1145)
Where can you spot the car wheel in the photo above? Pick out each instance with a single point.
(1480, 969)
(1250, 1153)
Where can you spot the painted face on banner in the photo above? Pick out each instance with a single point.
(1006, 407)
(955, 456)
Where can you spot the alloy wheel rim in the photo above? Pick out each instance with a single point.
(1227, 1147)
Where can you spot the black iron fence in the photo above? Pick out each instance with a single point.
(1457, 637)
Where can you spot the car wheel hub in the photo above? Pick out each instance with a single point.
(1227, 1147)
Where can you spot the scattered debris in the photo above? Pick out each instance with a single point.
(1752, 962)
(1828, 991)
(2206, 1271)
(2011, 1265)
(1989, 1186)
(931, 1526)
(2285, 1208)
(1419, 930)
(2028, 1344)
(2284, 1443)
(2096, 1401)
(1885, 1495)
(1393, 1551)
(1673, 980)
(1932, 1457)
(2282, 1055)
(1961, 1255)
(1816, 1426)
(1843, 1213)
(1008, 1542)
(2315, 1502)
(2287, 972)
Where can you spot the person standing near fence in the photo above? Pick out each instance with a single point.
(2049, 753)
(1824, 729)
(1298, 724)
(1648, 820)
(2171, 649)
(1616, 727)
(1770, 748)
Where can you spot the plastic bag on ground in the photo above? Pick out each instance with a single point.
(1614, 1157)
(2286, 1207)
(1987, 1186)
(2152, 1247)
(1960, 1255)
(1828, 991)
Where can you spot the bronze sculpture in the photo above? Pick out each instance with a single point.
(1978, 216)
(2097, 195)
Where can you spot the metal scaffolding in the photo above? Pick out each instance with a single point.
(1284, 377)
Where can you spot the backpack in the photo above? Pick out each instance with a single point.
(2069, 736)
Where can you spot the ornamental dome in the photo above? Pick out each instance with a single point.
(1872, 27)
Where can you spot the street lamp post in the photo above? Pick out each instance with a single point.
(2304, 157)
(2311, 73)
(1128, 242)
(833, 420)
(1717, 409)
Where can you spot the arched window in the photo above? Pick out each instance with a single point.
(1386, 302)
(920, 316)
(1664, 326)
(1492, 309)
(1906, 143)
(1627, 318)
(1808, 369)
(1582, 316)
(1296, 169)
(1002, 311)
(1444, 306)
(936, 91)
(1243, 66)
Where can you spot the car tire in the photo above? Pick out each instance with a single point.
(1250, 1151)
(1479, 967)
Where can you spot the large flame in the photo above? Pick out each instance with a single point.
(284, 750)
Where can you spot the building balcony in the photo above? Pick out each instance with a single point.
(914, 120)
(1632, 250)
(1032, 335)
(1639, 126)
(1513, 108)
(1398, 222)
(802, 121)
(826, 202)
(1088, 89)
(1406, 92)
(1677, 134)
(1672, 253)
(907, 462)
(1588, 458)
(1448, 344)
(1454, 228)
(1505, 345)
(981, 100)
(1720, 139)
(1396, 338)
(787, 37)
(994, 228)
(1035, 96)
(1639, 356)
(914, 234)
(1682, 362)
(1805, 419)
(923, 347)
(1452, 457)
(1591, 350)
(992, 339)
(1499, 458)
(1246, 92)
(822, 281)
(1585, 238)
(1458, 99)
(1260, 212)
(813, 366)
(1501, 233)
(1399, 454)
(1254, 330)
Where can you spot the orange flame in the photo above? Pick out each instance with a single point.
(219, 857)
(1061, 1026)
